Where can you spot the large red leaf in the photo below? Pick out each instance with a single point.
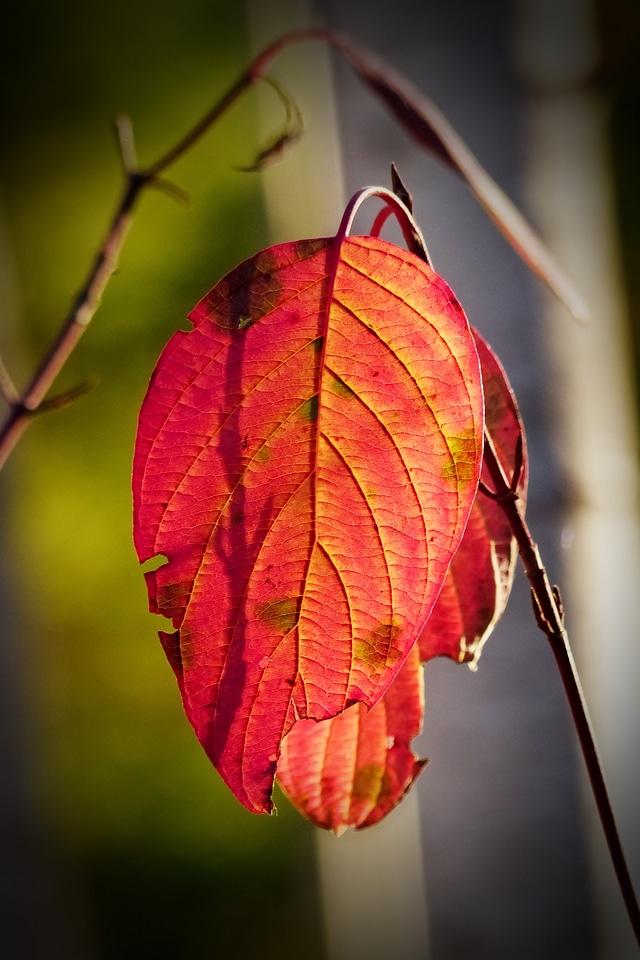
(478, 583)
(306, 460)
(352, 770)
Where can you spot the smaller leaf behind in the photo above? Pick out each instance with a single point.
(477, 586)
(352, 770)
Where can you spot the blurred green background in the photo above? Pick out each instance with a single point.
(140, 849)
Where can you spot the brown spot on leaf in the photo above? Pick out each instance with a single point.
(282, 615)
(309, 410)
(341, 388)
(367, 782)
(376, 649)
(307, 248)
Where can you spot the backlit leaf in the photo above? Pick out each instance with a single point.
(306, 460)
(352, 770)
(477, 586)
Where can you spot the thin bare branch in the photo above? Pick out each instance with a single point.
(549, 616)
(63, 400)
(76, 322)
(203, 126)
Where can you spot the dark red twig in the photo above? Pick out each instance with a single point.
(547, 606)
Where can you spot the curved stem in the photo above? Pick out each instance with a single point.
(548, 611)
(410, 229)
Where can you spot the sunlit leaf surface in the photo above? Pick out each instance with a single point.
(306, 460)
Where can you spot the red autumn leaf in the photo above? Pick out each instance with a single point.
(352, 770)
(477, 586)
(306, 460)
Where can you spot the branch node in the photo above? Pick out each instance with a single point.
(508, 494)
(518, 464)
(558, 601)
(483, 488)
(63, 400)
(541, 621)
(171, 189)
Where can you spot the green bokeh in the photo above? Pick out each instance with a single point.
(162, 860)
